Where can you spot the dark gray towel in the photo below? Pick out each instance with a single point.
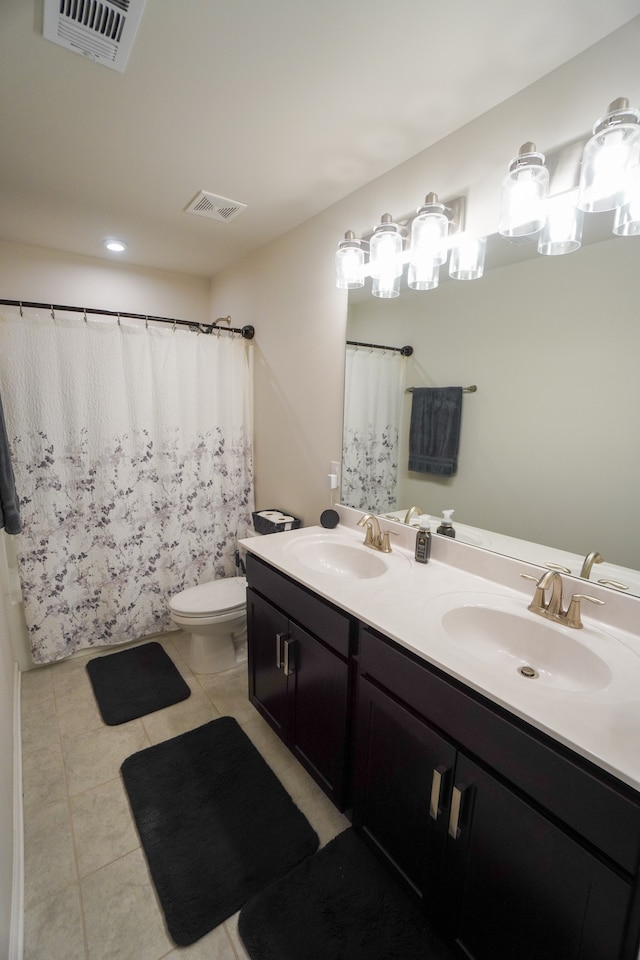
(9, 504)
(434, 430)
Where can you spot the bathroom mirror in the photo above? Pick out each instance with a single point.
(550, 442)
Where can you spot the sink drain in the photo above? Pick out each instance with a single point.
(528, 672)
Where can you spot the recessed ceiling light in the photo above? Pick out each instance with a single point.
(116, 246)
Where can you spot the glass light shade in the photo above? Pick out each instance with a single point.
(562, 232)
(350, 263)
(467, 258)
(524, 193)
(424, 275)
(608, 160)
(429, 232)
(385, 259)
(626, 222)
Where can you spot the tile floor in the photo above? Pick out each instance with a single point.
(88, 893)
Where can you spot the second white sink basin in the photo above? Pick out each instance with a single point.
(535, 649)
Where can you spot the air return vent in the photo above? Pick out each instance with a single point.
(215, 208)
(102, 30)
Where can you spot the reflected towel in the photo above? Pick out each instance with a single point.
(9, 505)
(434, 430)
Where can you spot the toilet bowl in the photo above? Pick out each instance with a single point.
(215, 616)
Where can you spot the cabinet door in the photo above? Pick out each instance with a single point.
(267, 630)
(319, 686)
(518, 886)
(402, 787)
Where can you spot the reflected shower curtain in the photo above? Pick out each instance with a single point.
(374, 387)
(132, 453)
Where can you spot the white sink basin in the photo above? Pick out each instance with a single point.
(532, 649)
(512, 641)
(329, 554)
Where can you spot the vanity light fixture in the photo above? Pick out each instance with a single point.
(114, 245)
(350, 260)
(610, 158)
(562, 232)
(524, 192)
(385, 258)
(384, 253)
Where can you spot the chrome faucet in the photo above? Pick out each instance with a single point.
(411, 511)
(589, 560)
(552, 609)
(374, 537)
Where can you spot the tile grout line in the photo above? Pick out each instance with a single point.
(72, 828)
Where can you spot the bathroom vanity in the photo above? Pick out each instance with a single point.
(511, 811)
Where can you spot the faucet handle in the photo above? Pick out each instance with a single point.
(538, 604)
(572, 616)
(385, 546)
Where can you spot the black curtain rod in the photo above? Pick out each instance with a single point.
(247, 332)
(404, 351)
(472, 389)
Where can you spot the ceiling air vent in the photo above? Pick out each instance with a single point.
(102, 30)
(215, 208)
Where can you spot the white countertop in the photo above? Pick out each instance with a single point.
(602, 726)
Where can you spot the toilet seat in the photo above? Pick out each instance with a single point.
(213, 599)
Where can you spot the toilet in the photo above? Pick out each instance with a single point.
(215, 616)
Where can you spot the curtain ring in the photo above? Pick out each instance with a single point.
(21, 313)
(146, 323)
(85, 315)
(118, 319)
(173, 329)
(53, 316)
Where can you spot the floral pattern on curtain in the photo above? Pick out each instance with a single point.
(374, 387)
(132, 453)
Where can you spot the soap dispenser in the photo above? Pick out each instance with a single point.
(423, 539)
(446, 526)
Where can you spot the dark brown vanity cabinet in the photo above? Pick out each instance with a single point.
(517, 849)
(299, 672)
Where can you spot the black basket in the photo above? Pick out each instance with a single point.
(266, 524)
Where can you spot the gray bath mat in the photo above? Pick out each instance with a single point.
(216, 825)
(134, 682)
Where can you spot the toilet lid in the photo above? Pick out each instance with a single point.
(216, 596)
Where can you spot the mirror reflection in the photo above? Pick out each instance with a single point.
(549, 447)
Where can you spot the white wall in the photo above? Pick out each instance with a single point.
(6, 774)
(287, 289)
(48, 276)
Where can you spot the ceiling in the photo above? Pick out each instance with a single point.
(286, 106)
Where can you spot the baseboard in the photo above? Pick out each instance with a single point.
(16, 935)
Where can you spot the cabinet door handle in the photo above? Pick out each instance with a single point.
(454, 815)
(436, 791)
(279, 638)
(289, 667)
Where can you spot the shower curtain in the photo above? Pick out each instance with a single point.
(132, 454)
(374, 387)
